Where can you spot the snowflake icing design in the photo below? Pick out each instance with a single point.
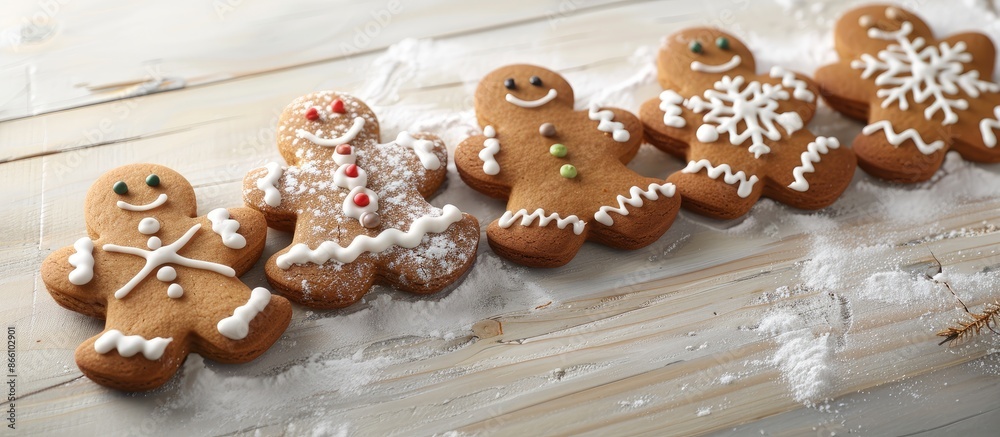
(755, 105)
(913, 69)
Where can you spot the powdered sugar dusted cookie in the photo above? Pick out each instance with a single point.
(164, 279)
(357, 206)
(919, 95)
(562, 171)
(742, 133)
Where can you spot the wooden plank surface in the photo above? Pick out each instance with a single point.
(706, 330)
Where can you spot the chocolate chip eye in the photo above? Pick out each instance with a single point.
(722, 43)
(695, 47)
(153, 180)
(120, 187)
(509, 84)
(535, 80)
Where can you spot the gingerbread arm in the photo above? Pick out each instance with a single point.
(982, 49)
(273, 190)
(480, 162)
(70, 277)
(234, 237)
(803, 93)
(844, 90)
(622, 130)
(668, 124)
(430, 153)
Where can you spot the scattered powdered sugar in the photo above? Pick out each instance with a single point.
(805, 359)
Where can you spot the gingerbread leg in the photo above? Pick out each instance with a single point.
(815, 177)
(716, 189)
(435, 263)
(327, 285)
(244, 327)
(638, 215)
(131, 358)
(900, 152)
(537, 238)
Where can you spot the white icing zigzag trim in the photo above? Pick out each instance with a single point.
(237, 326)
(986, 127)
(226, 228)
(745, 185)
(129, 345)
(490, 148)
(301, 254)
(359, 123)
(82, 262)
(615, 128)
(790, 81)
(635, 200)
(897, 139)
(670, 104)
(508, 218)
(269, 184)
(821, 146)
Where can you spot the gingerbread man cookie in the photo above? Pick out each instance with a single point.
(562, 171)
(919, 95)
(743, 134)
(164, 280)
(357, 207)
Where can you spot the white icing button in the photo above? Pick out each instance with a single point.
(149, 225)
(166, 274)
(707, 134)
(154, 243)
(175, 291)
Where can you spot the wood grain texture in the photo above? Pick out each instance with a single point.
(660, 340)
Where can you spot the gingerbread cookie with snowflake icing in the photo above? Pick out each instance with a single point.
(164, 279)
(357, 206)
(562, 171)
(742, 133)
(920, 96)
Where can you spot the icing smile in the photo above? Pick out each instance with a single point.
(532, 103)
(721, 68)
(160, 200)
(347, 137)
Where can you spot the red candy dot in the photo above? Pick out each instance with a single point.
(344, 149)
(351, 171)
(338, 106)
(312, 114)
(361, 199)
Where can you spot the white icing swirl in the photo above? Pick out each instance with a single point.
(237, 326)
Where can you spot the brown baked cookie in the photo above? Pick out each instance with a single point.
(164, 279)
(742, 133)
(562, 171)
(357, 207)
(919, 95)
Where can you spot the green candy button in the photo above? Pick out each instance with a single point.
(558, 150)
(567, 171)
(120, 187)
(153, 180)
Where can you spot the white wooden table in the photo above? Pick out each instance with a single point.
(784, 322)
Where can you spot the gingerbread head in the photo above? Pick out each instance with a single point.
(919, 95)
(742, 133)
(562, 171)
(357, 206)
(164, 279)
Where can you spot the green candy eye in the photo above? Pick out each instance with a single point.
(722, 43)
(695, 47)
(120, 187)
(153, 180)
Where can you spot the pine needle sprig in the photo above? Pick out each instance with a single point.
(965, 330)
